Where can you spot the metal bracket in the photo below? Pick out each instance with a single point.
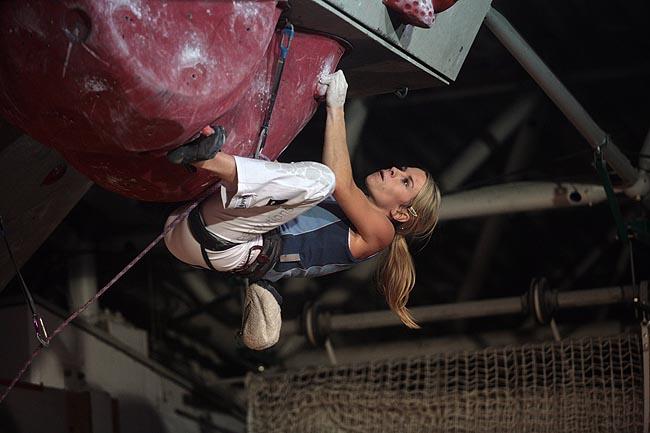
(402, 92)
(600, 148)
(315, 324)
(542, 301)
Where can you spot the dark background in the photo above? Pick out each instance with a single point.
(598, 49)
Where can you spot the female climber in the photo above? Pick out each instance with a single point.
(271, 220)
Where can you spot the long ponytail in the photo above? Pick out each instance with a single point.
(396, 271)
(396, 278)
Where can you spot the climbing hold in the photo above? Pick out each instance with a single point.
(419, 13)
(113, 95)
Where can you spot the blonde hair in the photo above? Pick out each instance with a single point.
(396, 271)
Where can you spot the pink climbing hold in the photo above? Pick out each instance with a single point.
(419, 13)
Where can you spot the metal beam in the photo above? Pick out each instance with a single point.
(492, 228)
(519, 197)
(577, 78)
(218, 395)
(559, 94)
(38, 190)
(482, 147)
(474, 309)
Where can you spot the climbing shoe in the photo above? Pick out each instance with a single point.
(199, 149)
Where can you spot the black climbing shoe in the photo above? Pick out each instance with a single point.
(199, 149)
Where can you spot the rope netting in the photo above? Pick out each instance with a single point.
(587, 385)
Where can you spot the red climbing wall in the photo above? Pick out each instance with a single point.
(114, 85)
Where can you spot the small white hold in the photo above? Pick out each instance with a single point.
(95, 84)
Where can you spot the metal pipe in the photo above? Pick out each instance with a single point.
(593, 255)
(430, 313)
(577, 78)
(559, 94)
(480, 149)
(492, 229)
(469, 310)
(641, 188)
(519, 197)
(594, 297)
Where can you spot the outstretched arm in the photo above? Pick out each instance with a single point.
(335, 148)
(373, 228)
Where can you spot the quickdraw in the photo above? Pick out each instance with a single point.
(285, 43)
(37, 320)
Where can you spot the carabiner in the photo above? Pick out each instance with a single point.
(287, 32)
(41, 332)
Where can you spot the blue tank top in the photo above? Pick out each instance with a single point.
(315, 243)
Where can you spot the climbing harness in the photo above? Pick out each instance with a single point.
(268, 254)
(267, 257)
(285, 42)
(37, 320)
(81, 309)
(206, 239)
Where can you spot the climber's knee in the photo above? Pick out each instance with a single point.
(325, 180)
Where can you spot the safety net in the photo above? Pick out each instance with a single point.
(586, 385)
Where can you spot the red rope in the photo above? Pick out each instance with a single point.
(74, 315)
